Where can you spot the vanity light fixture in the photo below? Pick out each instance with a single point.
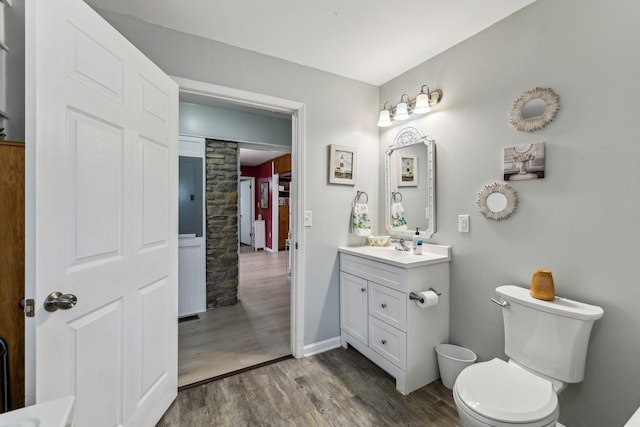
(420, 105)
(385, 116)
(422, 101)
(402, 109)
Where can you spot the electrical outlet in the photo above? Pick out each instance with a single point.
(463, 223)
(308, 219)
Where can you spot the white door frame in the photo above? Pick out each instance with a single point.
(252, 202)
(275, 225)
(297, 111)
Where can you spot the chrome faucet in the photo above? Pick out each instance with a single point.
(400, 244)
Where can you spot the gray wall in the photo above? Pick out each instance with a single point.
(582, 221)
(14, 39)
(338, 111)
(231, 125)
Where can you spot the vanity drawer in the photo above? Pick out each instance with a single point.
(384, 274)
(388, 305)
(388, 342)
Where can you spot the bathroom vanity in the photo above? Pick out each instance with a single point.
(378, 318)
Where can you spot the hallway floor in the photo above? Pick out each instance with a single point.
(253, 331)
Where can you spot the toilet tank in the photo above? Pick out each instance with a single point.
(550, 337)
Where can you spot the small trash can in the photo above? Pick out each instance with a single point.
(452, 359)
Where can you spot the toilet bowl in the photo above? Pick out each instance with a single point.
(500, 394)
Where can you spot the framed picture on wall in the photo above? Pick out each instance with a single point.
(264, 195)
(524, 162)
(342, 165)
(407, 170)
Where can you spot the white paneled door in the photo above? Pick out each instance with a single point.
(245, 211)
(102, 217)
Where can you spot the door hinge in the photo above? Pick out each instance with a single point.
(296, 245)
(28, 306)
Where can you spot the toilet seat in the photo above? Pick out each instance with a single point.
(501, 393)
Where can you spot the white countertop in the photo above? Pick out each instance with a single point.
(431, 254)
(634, 421)
(53, 413)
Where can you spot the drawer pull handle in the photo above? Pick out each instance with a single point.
(363, 289)
(383, 341)
(383, 305)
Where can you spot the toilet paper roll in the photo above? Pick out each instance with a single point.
(429, 299)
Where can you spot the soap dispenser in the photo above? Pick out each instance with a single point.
(417, 243)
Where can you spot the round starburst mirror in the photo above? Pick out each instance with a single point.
(534, 109)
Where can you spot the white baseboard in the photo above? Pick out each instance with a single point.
(321, 347)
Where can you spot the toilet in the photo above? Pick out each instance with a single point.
(546, 342)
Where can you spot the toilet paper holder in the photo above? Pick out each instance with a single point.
(415, 297)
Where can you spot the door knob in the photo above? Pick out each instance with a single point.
(56, 300)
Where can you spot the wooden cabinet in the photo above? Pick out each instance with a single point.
(12, 263)
(380, 321)
(282, 164)
(283, 211)
(283, 226)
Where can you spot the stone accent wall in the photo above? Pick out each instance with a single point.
(222, 222)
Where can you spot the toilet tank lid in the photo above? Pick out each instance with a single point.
(559, 306)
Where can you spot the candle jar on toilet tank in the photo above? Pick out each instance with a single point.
(542, 286)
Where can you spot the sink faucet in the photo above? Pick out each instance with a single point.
(400, 244)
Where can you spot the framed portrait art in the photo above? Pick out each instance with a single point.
(407, 170)
(264, 195)
(342, 165)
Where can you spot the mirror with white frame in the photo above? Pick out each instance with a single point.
(410, 184)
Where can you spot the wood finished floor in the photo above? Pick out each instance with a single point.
(336, 388)
(253, 331)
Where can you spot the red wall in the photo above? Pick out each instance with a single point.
(248, 171)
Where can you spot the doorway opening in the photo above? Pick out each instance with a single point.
(246, 200)
(265, 275)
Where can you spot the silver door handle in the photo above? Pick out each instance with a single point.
(56, 300)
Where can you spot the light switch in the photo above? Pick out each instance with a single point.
(463, 223)
(308, 220)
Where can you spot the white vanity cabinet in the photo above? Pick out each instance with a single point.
(379, 320)
(353, 313)
(258, 240)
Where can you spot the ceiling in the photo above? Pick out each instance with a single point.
(367, 40)
(347, 38)
(255, 157)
